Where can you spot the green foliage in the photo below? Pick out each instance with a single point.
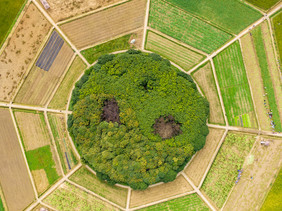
(266, 77)
(185, 27)
(231, 15)
(273, 201)
(92, 54)
(277, 26)
(1, 205)
(8, 13)
(41, 158)
(234, 86)
(146, 87)
(189, 202)
(224, 170)
(263, 4)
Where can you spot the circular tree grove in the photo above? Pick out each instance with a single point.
(137, 120)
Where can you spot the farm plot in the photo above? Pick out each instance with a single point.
(259, 170)
(184, 57)
(39, 152)
(230, 15)
(269, 73)
(121, 43)
(205, 79)
(189, 202)
(40, 207)
(234, 87)
(265, 5)
(39, 84)
(61, 10)
(224, 170)
(21, 48)
(256, 84)
(106, 24)
(277, 27)
(199, 164)
(1, 205)
(68, 197)
(159, 192)
(8, 16)
(14, 177)
(88, 180)
(273, 200)
(60, 134)
(60, 99)
(186, 28)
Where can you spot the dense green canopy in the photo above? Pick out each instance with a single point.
(146, 88)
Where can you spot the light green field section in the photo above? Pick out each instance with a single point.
(60, 99)
(88, 180)
(189, 202)
(68, 197)
(205, 79)
(234, 87)
(184, 57)
(263, 4)
(224, 170)
(231, 15)
(277, 28)
(186, 28)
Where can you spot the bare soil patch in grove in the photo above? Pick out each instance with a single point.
(21, 50)
(166, 127)
(110, 111)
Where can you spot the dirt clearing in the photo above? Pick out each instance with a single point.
(20, 51)
(197, 167)
(40, 84)
(259, 170)
(104, 25)
(14, 177)
(205, 79)
(159, 192)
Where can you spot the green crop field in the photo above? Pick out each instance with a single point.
(68, 197)
(234, 87)
(267, 81)
(41, 158)
(224, 170)
(189, 202)
(181, 55)
(92, 54)
(273, 200)
(186, 28)
(277, 26)
(263, 4)
(1, 205)
(88, 180)
(231, 15)
(8, 13)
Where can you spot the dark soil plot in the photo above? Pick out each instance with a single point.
(166, 127)
(110, 111)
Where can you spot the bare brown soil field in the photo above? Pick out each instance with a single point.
(39, 84)
(14, 177)
(60, 99)
(255, 79)
(159, 192)
(272, 65)
(33, 132)
(205, 79)
(197, 167)
(262, 165)
(103, 25)
(61, 10)
(21, 49)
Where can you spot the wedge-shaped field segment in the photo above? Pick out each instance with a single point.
(14, 177)
(230, 15)
(277, 28)
(224, 171)
(185, 27)
(70, 197)
(39, 84)
(183, 56)
(189, 202)
(106, 24)
(265, 5)
(205, 79)
(234, 87)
